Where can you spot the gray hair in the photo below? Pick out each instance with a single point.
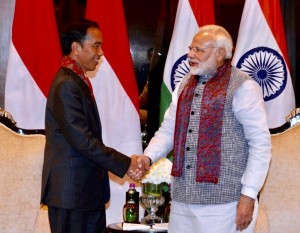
(222, 37)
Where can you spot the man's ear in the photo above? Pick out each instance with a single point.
(221, 54)
(75, 47)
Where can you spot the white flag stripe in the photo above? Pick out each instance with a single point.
(255, 35)
(31, 64)
(120, 130)
(116, 95)
(255, 32)
(185, 28)
(122, 118)
(21, 90)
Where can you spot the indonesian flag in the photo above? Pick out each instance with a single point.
(261, 52)
(191, 14)
(116, 94)
(34, 58)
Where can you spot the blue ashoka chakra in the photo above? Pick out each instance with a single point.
(267, 67)
(179, 70)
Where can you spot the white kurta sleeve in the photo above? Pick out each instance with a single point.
(162, 142)
(248, 107)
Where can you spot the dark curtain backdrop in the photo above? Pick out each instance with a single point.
(68, 11)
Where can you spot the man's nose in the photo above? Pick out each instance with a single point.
(100, 51)
(191, 54)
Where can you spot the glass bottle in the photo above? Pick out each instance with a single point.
(136, 194)
(130, 209)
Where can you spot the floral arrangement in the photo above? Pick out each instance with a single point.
(160, 172)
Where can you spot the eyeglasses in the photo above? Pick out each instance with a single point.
(199, 50)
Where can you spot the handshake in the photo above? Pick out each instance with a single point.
(140, 164)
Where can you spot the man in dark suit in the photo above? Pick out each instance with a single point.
(75, 184)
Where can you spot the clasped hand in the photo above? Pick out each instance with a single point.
(138, 167)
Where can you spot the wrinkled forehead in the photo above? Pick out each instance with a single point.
(204, 39)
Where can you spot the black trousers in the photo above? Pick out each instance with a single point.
(76, 221)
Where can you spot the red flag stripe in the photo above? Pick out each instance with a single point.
(111, 19)
(36, 39)
(273, 15)
(204, 11)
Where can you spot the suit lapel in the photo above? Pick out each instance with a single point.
(87, 93)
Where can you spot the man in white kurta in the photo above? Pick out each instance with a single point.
(224, 199)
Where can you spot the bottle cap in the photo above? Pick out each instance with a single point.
(131, 191)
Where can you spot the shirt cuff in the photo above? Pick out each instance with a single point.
(250, 192)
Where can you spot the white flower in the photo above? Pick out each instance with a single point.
(159, 172)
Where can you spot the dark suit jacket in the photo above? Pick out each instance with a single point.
(76, 162)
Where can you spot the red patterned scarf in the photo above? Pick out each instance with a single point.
(71, 64)
(210, 125)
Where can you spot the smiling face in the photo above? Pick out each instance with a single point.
(90, 51)
(204, 56)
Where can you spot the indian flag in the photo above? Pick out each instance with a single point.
(191, 14)
(116, 94)
(261, 52)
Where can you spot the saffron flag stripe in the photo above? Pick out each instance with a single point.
(116, 95)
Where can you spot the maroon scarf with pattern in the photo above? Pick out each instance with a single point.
(210, 125)
(71, 64)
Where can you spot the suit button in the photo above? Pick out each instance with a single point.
(203, 83)
(188, 166)
(196, 95)
(190, 130)
(187, 148)
(192, 112)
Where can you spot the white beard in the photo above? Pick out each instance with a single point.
(208, 67)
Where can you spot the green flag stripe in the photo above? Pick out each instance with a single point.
(165, 100)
